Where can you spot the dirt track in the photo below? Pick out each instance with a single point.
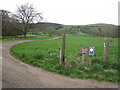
(16, 74)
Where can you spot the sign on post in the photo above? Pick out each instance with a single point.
(106, 51)
(91, 50)
(83, 50)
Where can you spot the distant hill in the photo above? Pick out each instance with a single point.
(48, 24)
(101, 24)
(99, 29)
(44, 27)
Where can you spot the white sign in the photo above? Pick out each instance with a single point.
(91, 50)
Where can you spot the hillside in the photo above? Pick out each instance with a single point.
(46, 24)
(99, 29)
(45, 27)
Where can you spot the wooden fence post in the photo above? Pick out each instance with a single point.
(83, 58)
(62, 50)
(106, 51)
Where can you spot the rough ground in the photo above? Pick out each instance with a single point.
(17, 74)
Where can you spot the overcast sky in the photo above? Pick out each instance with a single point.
(71, 12)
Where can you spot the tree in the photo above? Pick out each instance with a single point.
(10, 26)
(26, 14)
(5, 20)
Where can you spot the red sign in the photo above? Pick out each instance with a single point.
(84, 50)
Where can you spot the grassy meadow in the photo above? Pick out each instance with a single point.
(45, 54)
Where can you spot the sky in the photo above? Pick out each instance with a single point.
(70, 12)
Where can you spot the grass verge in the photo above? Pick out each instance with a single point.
(45, 54)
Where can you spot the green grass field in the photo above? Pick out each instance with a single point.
(29, 38)
(40, 38)
(45, 54)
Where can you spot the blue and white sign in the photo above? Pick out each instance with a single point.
(91, 50)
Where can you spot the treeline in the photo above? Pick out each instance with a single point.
(19, 22)
(24, 22)
(10, 26)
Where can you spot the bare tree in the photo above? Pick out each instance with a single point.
(26, 14)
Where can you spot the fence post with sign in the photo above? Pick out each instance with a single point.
(83, 51)
(106, 53)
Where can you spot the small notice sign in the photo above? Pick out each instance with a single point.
(91, 50)
(83, 50)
